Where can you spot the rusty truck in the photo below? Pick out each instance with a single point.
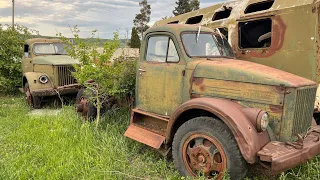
(216, 113)
(278, 33)
(46, 70)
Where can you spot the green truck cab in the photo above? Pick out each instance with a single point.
(283, 34)
(46, 70)
(215, 112)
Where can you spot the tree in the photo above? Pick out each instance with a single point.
(184, 6)
(114, 79)
(135, 40)
(11, 48)
(141, 20)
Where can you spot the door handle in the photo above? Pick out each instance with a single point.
(142, 70)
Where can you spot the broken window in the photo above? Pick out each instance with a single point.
(173, 22)
(224, 31)
(194, 20)
(255, 34)
(261, 6)
(26, 50)
(221, 14)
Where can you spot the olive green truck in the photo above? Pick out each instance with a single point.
(217, 113)
(46, 70)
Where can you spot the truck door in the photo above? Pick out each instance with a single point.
(160, 76)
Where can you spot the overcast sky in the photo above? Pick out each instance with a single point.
(106, 16)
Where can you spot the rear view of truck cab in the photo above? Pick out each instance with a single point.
(217, 113)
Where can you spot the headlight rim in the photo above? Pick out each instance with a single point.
(43, 81)
(259, 121)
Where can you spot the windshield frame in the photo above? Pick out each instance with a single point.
(214, 39)
(41, 43)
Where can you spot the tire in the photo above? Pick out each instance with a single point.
(33, 101)
(89, 112)
(205, 145)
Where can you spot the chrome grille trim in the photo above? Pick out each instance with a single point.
(304, 108)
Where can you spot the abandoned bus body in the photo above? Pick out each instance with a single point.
(278, 33)
(218, 113)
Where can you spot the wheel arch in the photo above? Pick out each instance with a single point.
(33, 80)
(231, 113)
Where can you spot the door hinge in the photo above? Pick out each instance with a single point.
(183, 72)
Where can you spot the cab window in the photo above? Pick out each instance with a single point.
(161, 49)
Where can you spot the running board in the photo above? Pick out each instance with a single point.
(144, 136)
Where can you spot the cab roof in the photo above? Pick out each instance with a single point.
(176, 29)
(42, 40)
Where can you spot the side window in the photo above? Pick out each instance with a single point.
(157, 49)
(255, 34)
(161, 49)
(172, 53)
(26, 50)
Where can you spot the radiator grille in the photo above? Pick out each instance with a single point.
(304, 108)
(65, 75)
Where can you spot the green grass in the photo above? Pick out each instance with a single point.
(61, 147)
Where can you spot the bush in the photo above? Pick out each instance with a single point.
(115, 79)
(11, 48)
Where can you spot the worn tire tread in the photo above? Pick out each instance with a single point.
(237, 169)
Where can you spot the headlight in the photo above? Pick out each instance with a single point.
(43, 79)
(262, 121)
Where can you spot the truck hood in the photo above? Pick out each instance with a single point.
(54, 60)
(244, 71)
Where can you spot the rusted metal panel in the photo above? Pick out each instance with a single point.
(241, 91)
(243, 71)
(144, 136)
(248, 139)
(283, 156)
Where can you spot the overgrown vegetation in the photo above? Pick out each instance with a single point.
(11, 48)
(115, 78)
(135, 40)
(60, 147)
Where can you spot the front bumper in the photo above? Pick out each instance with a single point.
(61, 90)
(281, 156)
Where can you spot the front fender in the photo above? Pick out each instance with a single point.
(234, 116)
(34, 83)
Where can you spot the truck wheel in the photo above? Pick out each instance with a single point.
(84, 108)
(33, 101)
(206, 146)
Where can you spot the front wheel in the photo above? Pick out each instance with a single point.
(84, 107)
(32, 101)
(205, 146)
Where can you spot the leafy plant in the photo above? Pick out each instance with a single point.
(109, 78)
(135, 40)
(143, 18)
(184, 6)
(11, 48)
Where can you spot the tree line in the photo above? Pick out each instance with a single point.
(142, 19)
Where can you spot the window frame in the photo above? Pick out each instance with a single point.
(167, 51)
(202, 32)
(41, 54)
(254, 48)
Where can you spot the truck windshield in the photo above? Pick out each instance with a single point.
(50, 48)
(206, 45)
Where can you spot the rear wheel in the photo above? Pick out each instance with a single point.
(84, 107)
(206, 146)
(32, 101)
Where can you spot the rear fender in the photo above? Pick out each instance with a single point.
(33, 80)
(235, 116)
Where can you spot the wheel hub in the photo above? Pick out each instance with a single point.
(82, 107)
(203, 154)
(28, 96)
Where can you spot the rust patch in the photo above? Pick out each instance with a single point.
(275, 109)
(195, 96)
(198, 81)
(277, 41)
